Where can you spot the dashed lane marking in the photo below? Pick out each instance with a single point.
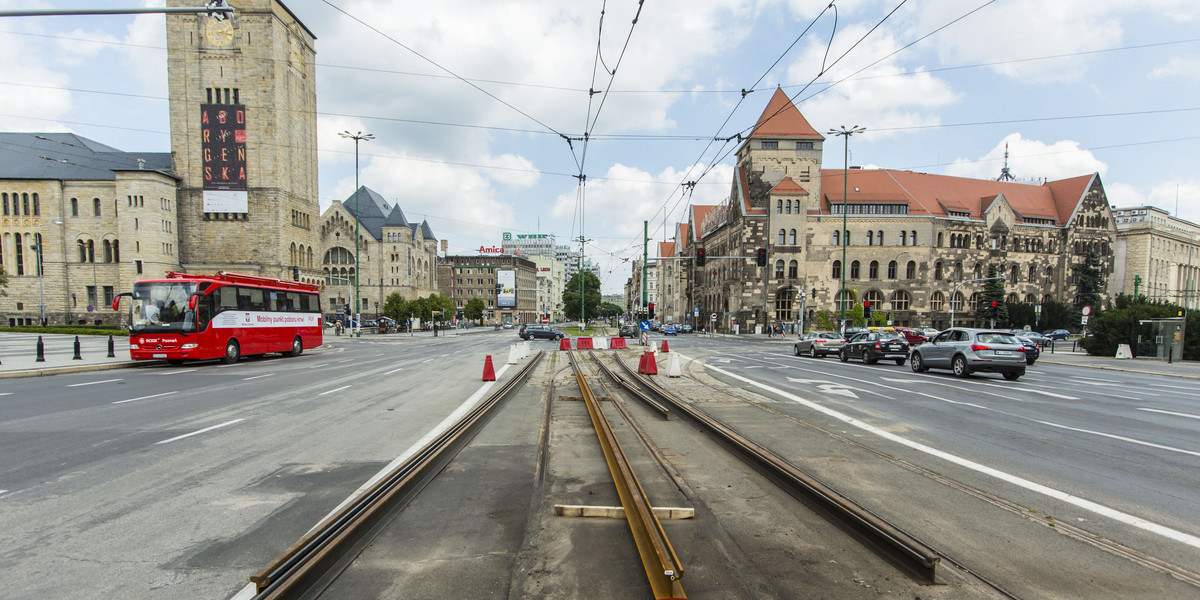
(145, 397)
(94, 382)
(205, 430)
(334, 390)
(257, 376)
(1170, 412)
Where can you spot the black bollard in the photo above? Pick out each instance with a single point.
(111, 352)
(77, 356)
(41, 351)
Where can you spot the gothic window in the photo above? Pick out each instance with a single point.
(911, 271)
(854, 267)
(793, 269)
(901, 300)
(837, 269)
(937, 301)
(891, 270)
(873, 270)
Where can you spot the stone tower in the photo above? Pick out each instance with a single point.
(244, 139)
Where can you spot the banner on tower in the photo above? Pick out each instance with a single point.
(223, 147)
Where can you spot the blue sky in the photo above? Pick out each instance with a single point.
(470, 101)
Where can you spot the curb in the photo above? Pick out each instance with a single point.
(45, 371)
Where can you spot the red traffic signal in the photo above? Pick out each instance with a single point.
(700, 257)
(995, 304)
(762, 257)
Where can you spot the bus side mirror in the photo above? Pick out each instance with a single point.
(192, 302)
(117, 300)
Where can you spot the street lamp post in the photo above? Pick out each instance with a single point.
(357, 137)
(800, 320)
(845, 133)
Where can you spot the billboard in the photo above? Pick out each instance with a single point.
(506, 294)
(223, 147)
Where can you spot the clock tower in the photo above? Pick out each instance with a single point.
(244, 139)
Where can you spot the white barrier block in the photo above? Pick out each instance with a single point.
(1124, 352)
(600, 343)
(525, 349)
(654, 347)
(673, 369)
(514, 354)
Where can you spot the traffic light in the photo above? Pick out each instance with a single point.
(762, 257)
(651, 310)
(700, 257)
(995, 309)
(867, 310)
(295, 273)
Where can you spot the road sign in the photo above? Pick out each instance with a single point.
(1087, 310)
(1085, 318)
(644, 325)
(713, 317)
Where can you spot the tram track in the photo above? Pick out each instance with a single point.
(309, 565)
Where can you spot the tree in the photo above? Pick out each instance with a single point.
(1090, 281)
(474, 309)
(608, 309)
(395, 307)
(993, 291)
(591, 295)
(1121, 324)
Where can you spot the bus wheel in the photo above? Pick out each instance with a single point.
(232, 352)
(297, 348)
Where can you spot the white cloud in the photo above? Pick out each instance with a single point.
(1180, 197)
(1178, 66)
(1031, 160)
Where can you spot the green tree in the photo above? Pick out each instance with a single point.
(993, 291)
(396, 307)
(1121, 324)
(474, 309)
(608, 309)
(1090, 281)
(1058, 315)
(591, 295)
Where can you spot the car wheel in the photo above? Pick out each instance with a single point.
(960, 366)
(868, 359)
(899, 361)
(918, 365)
(232, 352)
(1031, 361)
(796, 350)
(812, 352)
(842, 356)
(1012, 376)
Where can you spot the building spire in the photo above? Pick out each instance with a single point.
(1005, 173)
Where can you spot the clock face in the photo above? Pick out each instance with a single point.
(219, 33)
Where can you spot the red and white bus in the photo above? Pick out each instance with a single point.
(227, 316)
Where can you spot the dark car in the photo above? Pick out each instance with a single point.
(874, 346)
(966, 351)
(630, 331)
(1036, 337)
(1032, 349)
(1059, 334)
(685, 329)
(539, 332)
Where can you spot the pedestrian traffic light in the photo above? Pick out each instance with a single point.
(700, 257)
(762, 257)
(651, 310)
(867, 310)
(295, 273)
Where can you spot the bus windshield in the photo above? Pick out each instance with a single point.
(160, 306)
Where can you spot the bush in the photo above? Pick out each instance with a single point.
(69, 329)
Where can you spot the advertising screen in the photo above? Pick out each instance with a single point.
(506, 295)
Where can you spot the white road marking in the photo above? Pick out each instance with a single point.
(257, 377)
(320, 365)
(1168, 412)
(1122, 438)
(829, 387)
(1093, 381)
(394, 371)
(94, 382)
(1050, 492)
(345, 361)
(175, 372)
(6, 393)
(334, 390)
(145, 397)
(205, 430)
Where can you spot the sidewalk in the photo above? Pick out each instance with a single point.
(18, 354)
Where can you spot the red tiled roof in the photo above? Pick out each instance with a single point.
(742, 191)
(781, 119)
(699, 212)
(666, 249)
(682, 237)
(788, 187)
(927, 194)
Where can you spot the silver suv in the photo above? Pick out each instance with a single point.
(966, 351)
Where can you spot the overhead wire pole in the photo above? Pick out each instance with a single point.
(358, 137)
(845, 133)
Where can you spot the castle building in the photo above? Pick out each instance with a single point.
(910, 243)
(394, 255)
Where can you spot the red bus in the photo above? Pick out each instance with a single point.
(227, 316)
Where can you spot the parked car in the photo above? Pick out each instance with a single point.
(508, 325)
(629, 330)
(540, 332)
(1032, 350)
(912, 336)
(685, 328)
(1059, 334)
(1036, 337)
(966, 351)
(873, 346)
(668, 329)
(818, 343)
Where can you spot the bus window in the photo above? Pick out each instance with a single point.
(274, 301)
(293, 301)
(227, 298)
(256, 297)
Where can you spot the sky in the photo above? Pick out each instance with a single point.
(584, 119)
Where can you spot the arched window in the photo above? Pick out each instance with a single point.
(1050, 274)
(793, 269)
(779, 269)
(939, 244)
(4, 203)
(1032, 274)
(910, 272)
(854, 267)
(870, 238)
(782, 237)
(787, 207)
(1012, 275)
(1030, 299)
(879, 238)
(20, 253)
(903, 238)
(891, 270)
(937, 302)
(846, 302)
(37, 205)
(847, 234)
(292, 252)
(779, 207)
(873, 270)
(937, 270)
(91, 251)
(25, 203)
(108, 256)
(792, 237)
(978, 270)
(837, 269)
(912, 238)
(875, 297)
(976, 298)
(74, 207)
(96, 206)
(958, 270)
(901, 300)
(82, 251)
(956, 303)
(836, 241)
(1012, 298)
(116, 245)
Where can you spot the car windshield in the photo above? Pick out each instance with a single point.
(888, 335)
(160, 306)
(995, 337)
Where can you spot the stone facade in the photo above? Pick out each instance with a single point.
(1157, 256)
(263, 59)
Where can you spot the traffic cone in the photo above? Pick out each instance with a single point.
(489, 373)
(673, 369)
(664, 348)
(564, 344)
(648, 365)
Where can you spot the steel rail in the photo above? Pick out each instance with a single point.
(315, 559)
(654, 405)
(662, 566)
(894, 545)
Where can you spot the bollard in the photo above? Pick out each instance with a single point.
(77, 356)
(111, 350)
(41, 351)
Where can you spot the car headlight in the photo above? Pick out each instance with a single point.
(188, 346)
(133, 347)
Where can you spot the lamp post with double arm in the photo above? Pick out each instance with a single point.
(845, 132)
(357, 137)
